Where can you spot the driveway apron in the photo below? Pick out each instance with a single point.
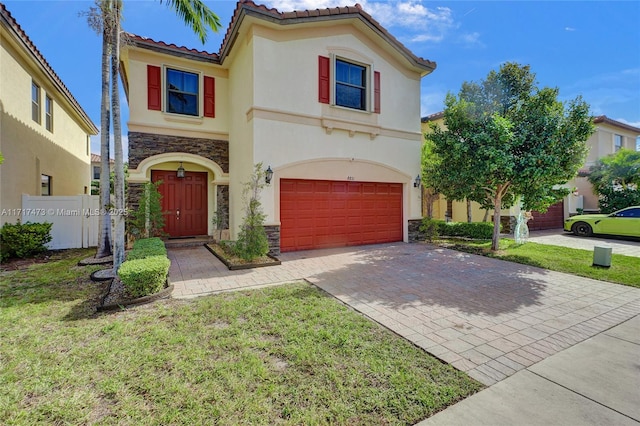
(487, 317)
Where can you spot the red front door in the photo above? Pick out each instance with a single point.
(184, 202)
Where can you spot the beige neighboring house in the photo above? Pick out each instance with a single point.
(96, 166)
(610, 136)
(326, 99)
(44, 132)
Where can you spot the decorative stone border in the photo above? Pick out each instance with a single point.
(231, 267)
(162, 294)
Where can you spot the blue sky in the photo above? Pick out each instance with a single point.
(587, 48)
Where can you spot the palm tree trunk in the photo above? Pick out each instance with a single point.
(118, 255)
(469, 210)
(104, 219)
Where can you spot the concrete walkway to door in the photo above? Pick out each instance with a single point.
(487, 317)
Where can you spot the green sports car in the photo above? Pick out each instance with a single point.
(625, 222)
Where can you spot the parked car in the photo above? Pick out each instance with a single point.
(625, 222)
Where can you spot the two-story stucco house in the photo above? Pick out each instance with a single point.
(327, 99)
(44, 132)
(610, 136)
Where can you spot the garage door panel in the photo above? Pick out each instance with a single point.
(323, 214)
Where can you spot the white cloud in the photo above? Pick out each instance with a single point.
(416, 21)
(570, 29)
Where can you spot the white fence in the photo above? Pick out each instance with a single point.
(74, 218)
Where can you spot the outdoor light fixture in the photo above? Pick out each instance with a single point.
(180, 171)
(268, 174)
(416, 182)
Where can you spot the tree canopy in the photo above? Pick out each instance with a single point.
(507, 140)
(616, 179)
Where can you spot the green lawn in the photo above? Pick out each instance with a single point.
(624, 269)
(282, 355)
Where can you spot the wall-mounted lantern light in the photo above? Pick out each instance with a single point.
(180, 171)
(416, 182)
(268, 175)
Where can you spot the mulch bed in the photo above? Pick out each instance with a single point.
(236, 263)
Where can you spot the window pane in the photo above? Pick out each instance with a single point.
(174, 79)
(181, 103)
(342, 71)
(35, 102)
(48, 108)
(46, 185)
(352, 97)
(190, 83)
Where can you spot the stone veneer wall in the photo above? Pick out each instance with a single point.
(134, 194)
(273, 235)
(223, 205)
(143, 145)
(414, 231)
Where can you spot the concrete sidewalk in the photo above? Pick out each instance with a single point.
(596, 382)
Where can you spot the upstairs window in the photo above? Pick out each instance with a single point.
(351, 85)
(48, 113)
(348, 84)
(35, 102)
(96, 172)
(617, 142)
(182, 92)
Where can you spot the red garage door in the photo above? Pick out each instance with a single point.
(552, 219)
(321, 214)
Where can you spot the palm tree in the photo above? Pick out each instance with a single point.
(200, 18)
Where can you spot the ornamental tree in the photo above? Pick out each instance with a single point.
(616, 180)
(507, 140)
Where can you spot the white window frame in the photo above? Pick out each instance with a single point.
(36, 103)
(165, 103)
(368, 87)
(616, 138)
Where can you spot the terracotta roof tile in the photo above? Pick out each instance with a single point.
(146, 40)
(248, 6)
(39, 57)
(432, 117)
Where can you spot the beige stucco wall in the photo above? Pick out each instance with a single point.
(602, 142)
(141, 119)
(29, 149)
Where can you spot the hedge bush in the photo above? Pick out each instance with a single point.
(142, 277)
(24, 239)
(475, 230)
(147, 247)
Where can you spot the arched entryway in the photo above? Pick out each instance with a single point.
(189, 198)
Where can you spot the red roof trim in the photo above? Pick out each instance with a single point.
(21, 35)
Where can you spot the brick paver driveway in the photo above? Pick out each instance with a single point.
(487, 317)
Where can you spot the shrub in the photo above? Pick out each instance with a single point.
(147, 247)
(252, 239)
(475, 230)
(142, 277)
(24, 239)
(431, 228)
(147, 220)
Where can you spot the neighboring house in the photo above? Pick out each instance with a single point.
(96, 166)
(610, 136)
(44, 132)
(327, 99)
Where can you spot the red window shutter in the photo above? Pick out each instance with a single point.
(376, 92)
(154, 90)
(323, 79)
(209, 97)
